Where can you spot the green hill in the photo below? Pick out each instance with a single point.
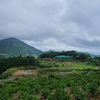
(14, 47)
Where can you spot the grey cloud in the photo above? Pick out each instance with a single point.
(90, 44)
(52, 24)
(86, 14)
(83, 43)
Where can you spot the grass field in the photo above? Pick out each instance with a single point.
(63, 66)
(74, 65)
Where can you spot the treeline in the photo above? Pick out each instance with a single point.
(18, 61)
(76, 55)
(84, 57)
(96, 60)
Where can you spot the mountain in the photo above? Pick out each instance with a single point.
(14, 47)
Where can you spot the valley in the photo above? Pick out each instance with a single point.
(50, 76)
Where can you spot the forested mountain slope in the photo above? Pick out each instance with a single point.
(13, 47)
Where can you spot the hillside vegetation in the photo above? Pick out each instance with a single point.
(14, 47)
(50, 78)
(52, 87)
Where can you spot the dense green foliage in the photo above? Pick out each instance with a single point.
(52, 87)
(77, 56)
(14, 47)
(31, 61)
(96, 61)
(52, 80)
(83, 57)
(18, 61)
(50, 83)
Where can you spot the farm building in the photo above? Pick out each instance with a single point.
(64, 57)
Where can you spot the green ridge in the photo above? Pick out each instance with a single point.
(14, 47)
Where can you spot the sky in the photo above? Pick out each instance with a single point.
(52, 24)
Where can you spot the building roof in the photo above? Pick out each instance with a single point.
(64, 56)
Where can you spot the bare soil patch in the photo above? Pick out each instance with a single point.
(25, 72)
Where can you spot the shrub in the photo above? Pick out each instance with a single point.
(45, 92)
(59, 94)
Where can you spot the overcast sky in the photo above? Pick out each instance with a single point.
(52, 24)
